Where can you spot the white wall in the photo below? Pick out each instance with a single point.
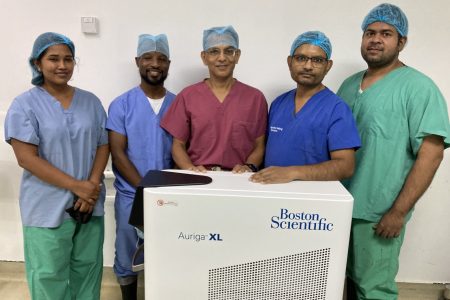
(266, 29)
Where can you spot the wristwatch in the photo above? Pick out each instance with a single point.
(252, 167)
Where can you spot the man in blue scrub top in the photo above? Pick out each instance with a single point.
(311, 133)
(138, 144)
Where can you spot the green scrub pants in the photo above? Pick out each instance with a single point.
(65, 263)
(372, 262)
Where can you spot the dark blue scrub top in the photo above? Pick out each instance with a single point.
(324, 124)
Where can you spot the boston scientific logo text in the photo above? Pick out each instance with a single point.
(300, 221)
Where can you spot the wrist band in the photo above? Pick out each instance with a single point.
(252, 167)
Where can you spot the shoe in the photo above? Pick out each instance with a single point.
(129, 291)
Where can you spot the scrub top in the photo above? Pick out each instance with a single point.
(67, 138)
(148, 145)
(393, 116)
(218, 133)
(324, 124)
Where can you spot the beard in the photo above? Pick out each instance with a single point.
(375, 62)
(154, 82)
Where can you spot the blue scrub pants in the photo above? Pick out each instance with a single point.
(127, 240)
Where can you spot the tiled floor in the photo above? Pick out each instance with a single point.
(13, 286)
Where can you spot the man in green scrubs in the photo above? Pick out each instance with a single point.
(403, 122)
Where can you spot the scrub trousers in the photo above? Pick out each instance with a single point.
(372, 263)
(65, 263)
(127, 240)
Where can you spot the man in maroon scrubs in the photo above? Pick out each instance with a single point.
(220, 122)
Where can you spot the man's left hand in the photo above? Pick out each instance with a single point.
(390, 225)
(241, 169)
(273, 175)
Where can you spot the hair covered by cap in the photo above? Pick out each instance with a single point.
(153, 43)
(215, 36)
(389, 14)
(315, 38)
(42, 43)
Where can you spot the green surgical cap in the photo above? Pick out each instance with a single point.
(389, 14)
(220, 36)
(153, 43)
(41, 44)
(315, 38)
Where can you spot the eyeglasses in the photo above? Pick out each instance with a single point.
(316, 61)
(215, 52)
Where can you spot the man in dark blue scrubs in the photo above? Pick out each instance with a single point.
(312, 134)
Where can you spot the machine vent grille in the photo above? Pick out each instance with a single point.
(300, 276)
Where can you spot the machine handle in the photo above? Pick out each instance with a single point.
(139, 267)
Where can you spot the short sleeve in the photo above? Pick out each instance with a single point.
(342, 133)
(176, 121)
(116, 117)
(21, 125)
(262, 116)
(103, 134)
(427, 115)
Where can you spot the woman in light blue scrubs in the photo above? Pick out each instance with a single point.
(58, 135)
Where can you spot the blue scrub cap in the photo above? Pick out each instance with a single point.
(315, 38)
(41, 44)
(150, 43)
(389, 14)
(220, 36)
